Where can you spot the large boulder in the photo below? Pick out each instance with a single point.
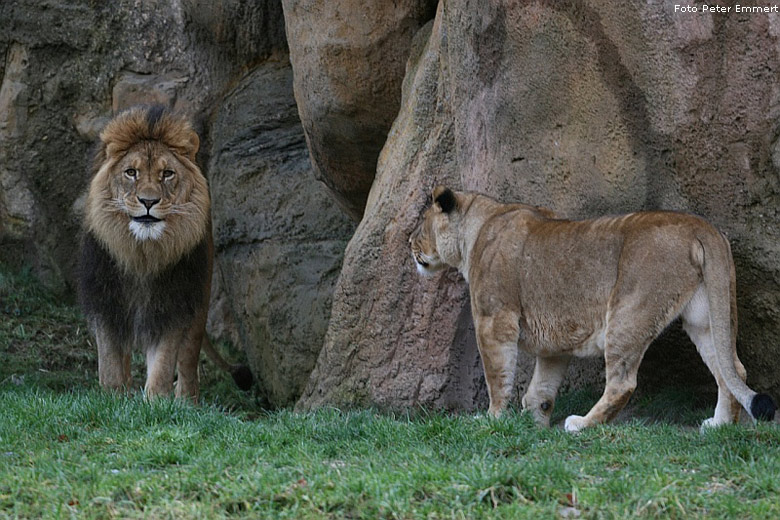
(584, 107)
(349, 62)
(42, 157)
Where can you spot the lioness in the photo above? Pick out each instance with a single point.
(147, 253)
(607, 286)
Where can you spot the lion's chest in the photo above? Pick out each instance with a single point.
(143, 313)
(139, 310)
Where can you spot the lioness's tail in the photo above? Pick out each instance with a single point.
(719, 280)
(241, 373)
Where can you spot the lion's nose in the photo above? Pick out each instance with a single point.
(148, 202)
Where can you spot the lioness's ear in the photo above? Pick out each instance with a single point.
(445, 198)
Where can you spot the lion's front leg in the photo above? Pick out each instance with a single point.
(161, 365)
(187, 385)
(113, 362)
(497, 341)
(539, 399)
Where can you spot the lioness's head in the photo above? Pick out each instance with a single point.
(435, 241)
(147, 196)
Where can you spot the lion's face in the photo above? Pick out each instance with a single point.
(151, 186)
(434, 241)
(148, 201)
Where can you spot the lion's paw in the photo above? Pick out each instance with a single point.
(574, 423)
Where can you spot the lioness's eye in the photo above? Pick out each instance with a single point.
(131, 172)
(168, 174)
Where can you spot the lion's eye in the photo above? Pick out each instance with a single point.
(131, 173)
(168, 174)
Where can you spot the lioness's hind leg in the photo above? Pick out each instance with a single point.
(539, 399)
(626, 341)
(621, 370)
(727, 408)
(696, 323)
(497, 341)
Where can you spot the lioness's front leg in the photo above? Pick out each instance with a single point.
(497, 341)
(539, 399)
(622, 366)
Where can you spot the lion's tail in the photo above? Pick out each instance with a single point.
(760, 406)
(241, 373)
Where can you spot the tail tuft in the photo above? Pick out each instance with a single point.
(762, 408)
(243, 378)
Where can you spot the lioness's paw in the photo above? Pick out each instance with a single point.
(710, 423)
(574, 423)
(495, 412)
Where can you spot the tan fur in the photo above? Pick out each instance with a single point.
(562, 289)
(184, 207)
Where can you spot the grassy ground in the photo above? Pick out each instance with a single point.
(69, 450)
(44, 343)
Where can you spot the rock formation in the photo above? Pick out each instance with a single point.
(587, 107)
(279, 236)
(349, 60)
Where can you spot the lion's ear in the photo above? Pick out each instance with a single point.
(113, 150)
(445, 198)
(194, 146)
(112, 142)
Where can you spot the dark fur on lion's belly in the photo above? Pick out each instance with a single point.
(136, 312)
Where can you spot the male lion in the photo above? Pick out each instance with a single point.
(606, 287)
(147, 253)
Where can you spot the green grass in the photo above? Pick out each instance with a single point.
(42, 340)
(93, 455)
(69, 450)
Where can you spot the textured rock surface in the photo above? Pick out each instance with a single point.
(584, 107)
(67, 65)
(349, 62)
(279, 237)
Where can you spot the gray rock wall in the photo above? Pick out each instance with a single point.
(279, 236)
